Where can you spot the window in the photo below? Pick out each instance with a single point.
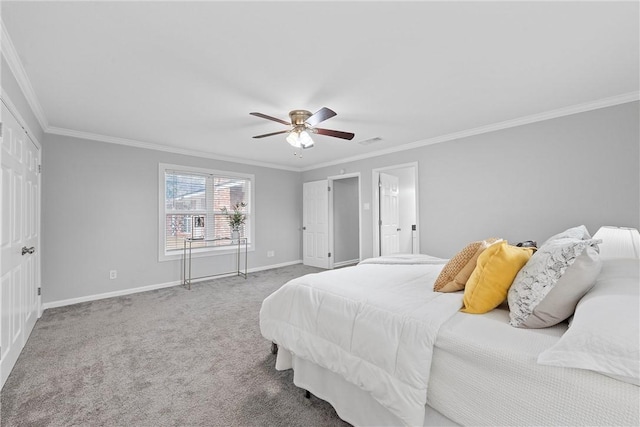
(191, 202)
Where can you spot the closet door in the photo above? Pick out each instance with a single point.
(19, 237)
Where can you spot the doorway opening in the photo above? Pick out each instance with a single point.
(344, 220)
(395, 213)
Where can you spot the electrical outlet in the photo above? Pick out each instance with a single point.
(271, 254)
(113, 274)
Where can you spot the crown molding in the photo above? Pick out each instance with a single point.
(15, 65)
(553, 114)
(165, 148)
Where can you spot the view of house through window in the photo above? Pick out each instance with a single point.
(193, 206)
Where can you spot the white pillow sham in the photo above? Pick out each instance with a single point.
(605, 331)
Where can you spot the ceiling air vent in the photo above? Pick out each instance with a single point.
(370, 141)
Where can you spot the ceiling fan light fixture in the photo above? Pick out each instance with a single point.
(305, 139)
(293, 139)
(300, 139)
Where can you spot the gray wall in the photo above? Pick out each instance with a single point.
(100, 212)
(526, 182)
(346, 235)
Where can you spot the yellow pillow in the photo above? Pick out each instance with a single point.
(455, 273)
(489, 283)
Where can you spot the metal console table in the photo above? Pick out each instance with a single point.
(188, 248)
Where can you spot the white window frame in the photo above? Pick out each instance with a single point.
(163, 254)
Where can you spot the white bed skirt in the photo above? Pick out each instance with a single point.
(352, 404)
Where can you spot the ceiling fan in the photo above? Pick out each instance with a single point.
(302, 124)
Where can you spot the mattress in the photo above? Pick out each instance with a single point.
(485, 372)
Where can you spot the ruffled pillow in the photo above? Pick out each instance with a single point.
(545, 292)
(580, 232)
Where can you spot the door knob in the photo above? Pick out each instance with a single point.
(304, 228)
(26, 250)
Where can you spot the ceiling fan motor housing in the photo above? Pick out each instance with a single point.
(299, 117)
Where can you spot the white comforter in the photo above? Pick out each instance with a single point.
(373, 324)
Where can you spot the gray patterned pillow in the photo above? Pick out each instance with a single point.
(547, 289)
(579, 232)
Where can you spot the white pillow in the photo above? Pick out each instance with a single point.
(546, 290)
(605, 332)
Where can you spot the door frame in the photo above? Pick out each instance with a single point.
(375, 177)
(331, 247)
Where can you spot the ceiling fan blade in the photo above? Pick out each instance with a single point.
(320, 116)
(272, 133)
(334, 133)
(264, 116)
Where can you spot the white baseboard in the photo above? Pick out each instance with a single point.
(62, 303)
(269, 267)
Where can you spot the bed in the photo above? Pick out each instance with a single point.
(383, 348)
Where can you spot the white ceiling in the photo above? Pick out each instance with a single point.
(186, 75)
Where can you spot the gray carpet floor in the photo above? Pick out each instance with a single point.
(169, 357)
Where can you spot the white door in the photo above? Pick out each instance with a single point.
(315, 224)
(19, 235)
(389, 214)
